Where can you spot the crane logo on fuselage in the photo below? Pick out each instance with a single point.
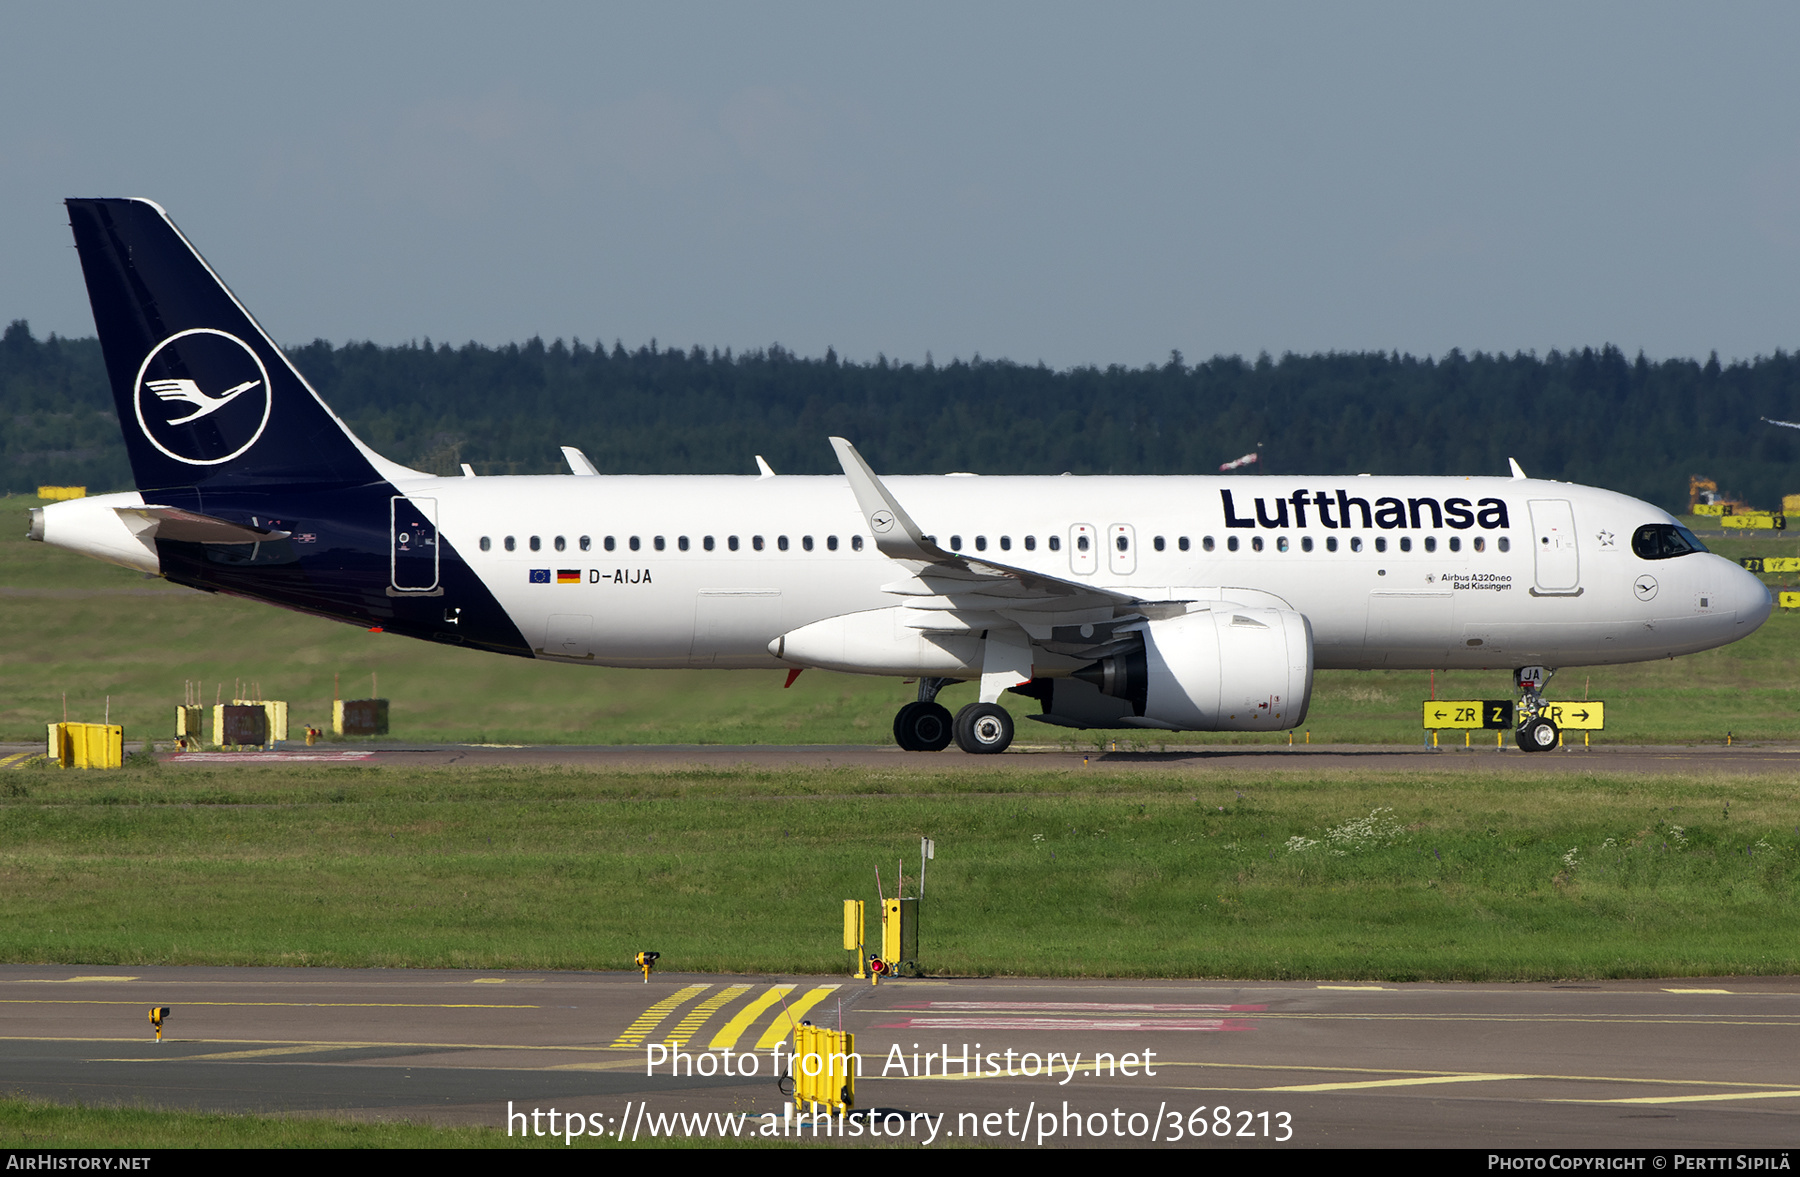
(1385, 512)
(202, 396)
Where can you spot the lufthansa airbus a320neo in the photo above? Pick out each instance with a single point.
(1177, 603)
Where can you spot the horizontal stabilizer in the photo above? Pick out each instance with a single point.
(173, 523)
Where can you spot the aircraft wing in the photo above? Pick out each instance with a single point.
(953, 593)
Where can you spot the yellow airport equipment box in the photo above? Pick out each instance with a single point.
(1790, 600)
(1492, 714)
(359, 717)
(86, 745)
(189, 722)
(1585, 716)
(1756, 520)
(62, 492)
(824, 1069)
(1712, 509)
(900, 932)
(249, 723)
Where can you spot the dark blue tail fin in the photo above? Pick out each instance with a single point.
(205, 398)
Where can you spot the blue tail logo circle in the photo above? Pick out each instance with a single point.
(203, 396)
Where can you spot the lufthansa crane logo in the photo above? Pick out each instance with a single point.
(202, 396)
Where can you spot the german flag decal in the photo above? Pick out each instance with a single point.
(568, 576)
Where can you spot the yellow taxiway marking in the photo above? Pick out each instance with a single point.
(1723, 1095)
(734, 1029)
(488, 981)
(17, 759)
(647, 1021)
(67, 980)
(1359, 988)
(266, 1052)
(1417, 1081)
(789, 1017)
(1696, 991)
(697, 1016)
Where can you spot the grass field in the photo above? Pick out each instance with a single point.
(112, 639)
(1089, 873)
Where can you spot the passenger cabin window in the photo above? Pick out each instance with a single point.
(1381, 543)
(1055, 543)
(1206, 543)
(1356, 543)
(536, 543)
(682, 543)
(1664, 541)
(806, 543)
(636, 543)
(1006, 543)
(560, 543)
(831, 543)
(1031, 543)
(1455, 543)
(756, 543)
(1431, 543)
(510, 543)
(856, 543)
(1182, 543)
(1480, 544)
(1504, 544)
(586, 542)
(1231, 543)
(1306, 543)
(1123, 543)
(1158, 543)
(486, 543)
(610, 543)
(707, 543)
(658, 541)
(1281, 543)
(1256, 543)
(1405, 543)
(781, 542)
(1331, 543)
(956, 543)
(1081, 543)
(731, 542)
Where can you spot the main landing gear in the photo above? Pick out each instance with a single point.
(926, 726)
(1535, 733)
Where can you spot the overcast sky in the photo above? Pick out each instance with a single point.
(1073, 184)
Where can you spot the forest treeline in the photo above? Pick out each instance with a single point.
(1592, 416)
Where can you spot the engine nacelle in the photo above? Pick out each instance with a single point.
(1222, 670)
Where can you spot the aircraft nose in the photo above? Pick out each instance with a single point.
(1750, 599)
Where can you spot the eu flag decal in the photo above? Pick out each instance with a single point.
(568, 576)
(540, 576)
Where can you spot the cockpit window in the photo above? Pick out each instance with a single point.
(1664, 541)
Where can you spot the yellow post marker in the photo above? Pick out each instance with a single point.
(853, 933)
(157, 1014)
(647, 961)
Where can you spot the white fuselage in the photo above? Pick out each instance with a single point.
(1549, 580)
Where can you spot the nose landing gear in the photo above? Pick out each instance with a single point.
(1535, 733)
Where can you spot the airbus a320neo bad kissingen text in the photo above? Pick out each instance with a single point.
(1177, 603)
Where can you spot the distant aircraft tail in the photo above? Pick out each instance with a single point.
(205, 398)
